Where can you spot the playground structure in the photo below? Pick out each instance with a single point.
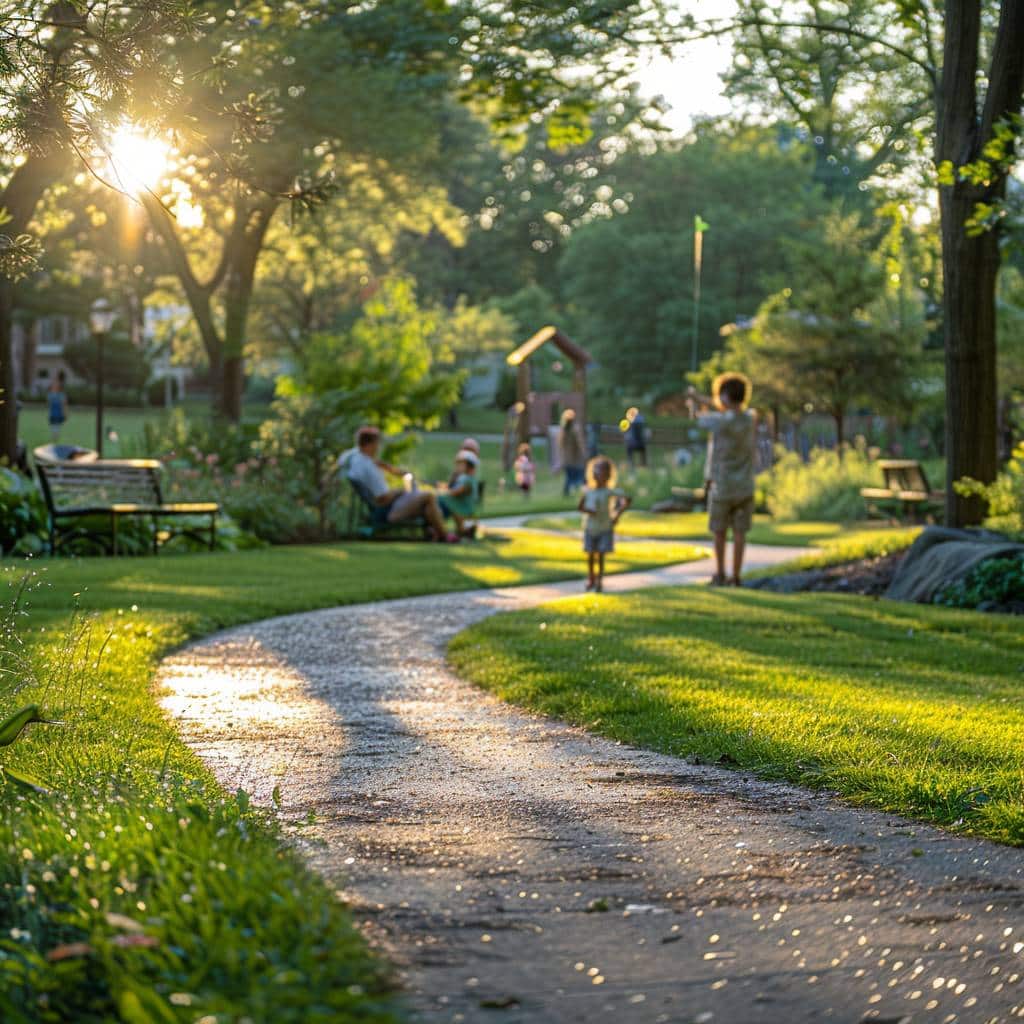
(539, 409)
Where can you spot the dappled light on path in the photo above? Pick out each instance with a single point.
(521, 869)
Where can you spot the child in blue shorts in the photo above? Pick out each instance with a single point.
(602, 505)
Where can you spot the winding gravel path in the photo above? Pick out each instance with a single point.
(517, 869)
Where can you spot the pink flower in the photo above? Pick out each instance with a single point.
(212, 459)
(241, 467)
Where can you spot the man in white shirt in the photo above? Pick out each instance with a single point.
(392, 504)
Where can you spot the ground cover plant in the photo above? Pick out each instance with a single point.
(912, 709)
(136, 889)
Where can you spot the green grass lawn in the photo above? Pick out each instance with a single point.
(863, 541)
(80, 427)
(694, 526)
(138, 890)
(916, 710)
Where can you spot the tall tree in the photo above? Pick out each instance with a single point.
(855, 105)
(823, 340)
(69, 72)
(325, 122)
(967, 56)
(627, 278)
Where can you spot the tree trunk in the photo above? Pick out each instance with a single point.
(970, 268)
(839, 416)
(8, 406)
(971, 264)
(19, 199)
(239, 285)
(30, 332)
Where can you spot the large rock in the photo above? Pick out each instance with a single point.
(941, 556)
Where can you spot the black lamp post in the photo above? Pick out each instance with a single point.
(101, 319)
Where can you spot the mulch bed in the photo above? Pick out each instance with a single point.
(868, 576)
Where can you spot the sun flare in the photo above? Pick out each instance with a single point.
(138, 160)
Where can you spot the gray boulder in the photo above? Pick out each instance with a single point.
(941, 556)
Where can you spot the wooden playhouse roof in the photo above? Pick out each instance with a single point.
(565, 344)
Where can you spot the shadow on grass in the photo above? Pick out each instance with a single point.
(908, 708)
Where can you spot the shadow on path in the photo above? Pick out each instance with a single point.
(521, 870)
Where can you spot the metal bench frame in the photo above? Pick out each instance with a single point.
(124, 487)
(365, 521)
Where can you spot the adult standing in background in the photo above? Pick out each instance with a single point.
(57, 406)
(570, 452)
(636, 437)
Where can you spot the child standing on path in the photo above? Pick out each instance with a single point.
(729, 473)
(602, 505)
(525, 470)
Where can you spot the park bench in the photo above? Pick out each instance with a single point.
(689, 498)
(87, 501)
(905, 485)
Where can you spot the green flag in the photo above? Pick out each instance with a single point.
(699, 224)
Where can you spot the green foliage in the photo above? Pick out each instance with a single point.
(999, 581)
(819, 343)
(1010, 329)
(125, 366)
(826, 487)
(22, 513)
(856, 108)
(1004, 496)
(627, 280)
(384, 369)
(900, 707)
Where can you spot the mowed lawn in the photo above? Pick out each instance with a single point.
(912, 709)
(136, 889)
(694, 526)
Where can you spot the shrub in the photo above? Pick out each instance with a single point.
(654, 483)
(998, 581)
(826, 487)
(1005, 496)
(22, 514)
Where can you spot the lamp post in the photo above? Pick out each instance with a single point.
(101, 319)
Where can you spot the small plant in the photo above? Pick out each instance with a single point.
(999, 581)
(10, 730)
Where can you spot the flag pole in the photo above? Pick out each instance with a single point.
(699, 227)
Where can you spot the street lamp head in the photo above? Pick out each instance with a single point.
(101, 317)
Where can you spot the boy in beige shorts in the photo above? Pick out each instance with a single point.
(729, 473)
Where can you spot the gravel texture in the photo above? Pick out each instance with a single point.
(516, 869)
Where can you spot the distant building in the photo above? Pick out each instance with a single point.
(38, 352)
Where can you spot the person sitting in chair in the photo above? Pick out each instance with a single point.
(395, 505)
